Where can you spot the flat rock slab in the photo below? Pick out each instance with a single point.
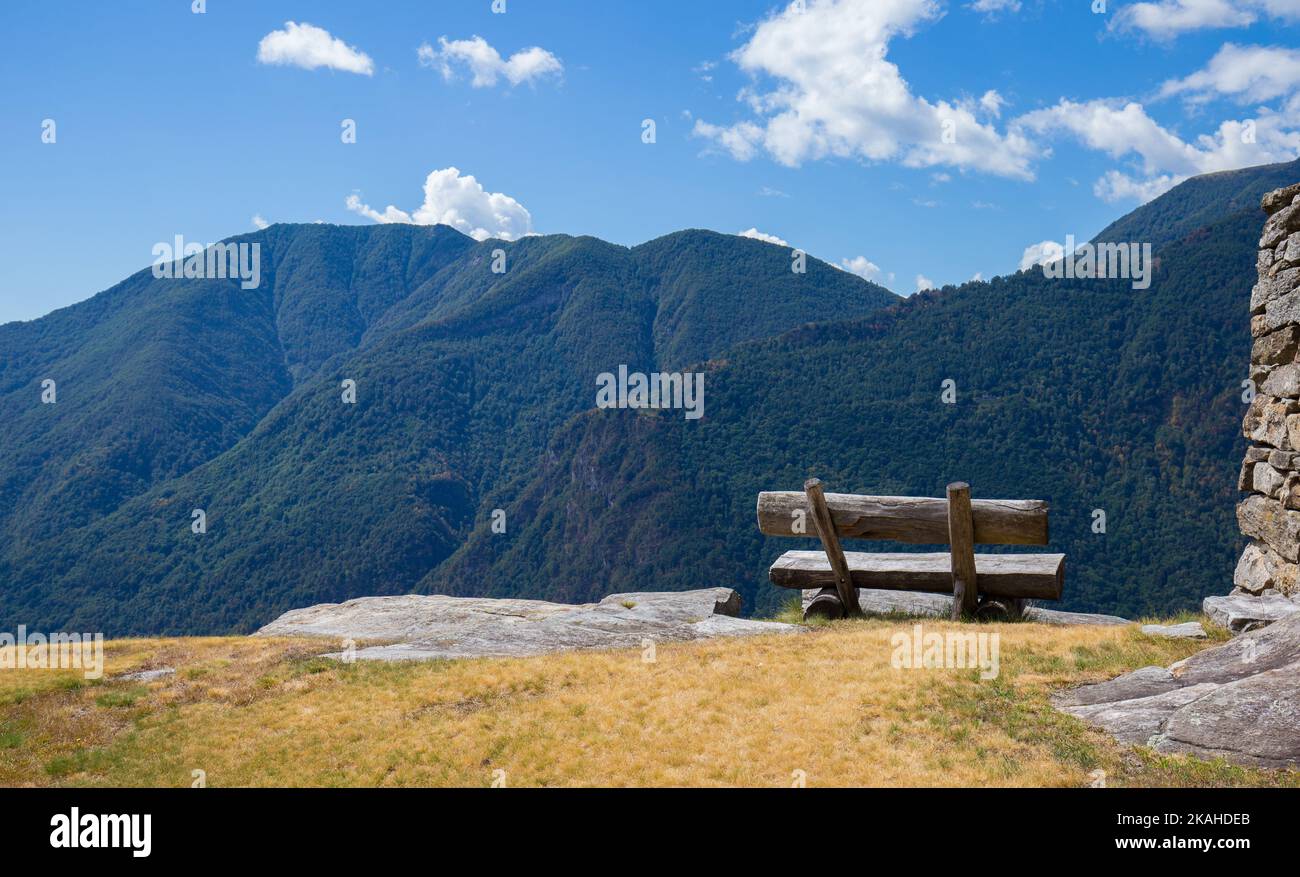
(429, 627)
(1190, 630)
(880, 602)
(1240, 612)
(148, 675)
(1239, 701)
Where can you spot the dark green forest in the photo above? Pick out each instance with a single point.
(475, 391)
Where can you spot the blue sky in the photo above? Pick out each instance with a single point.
(822, 126)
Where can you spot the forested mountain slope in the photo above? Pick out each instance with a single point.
(1086, 393)
(177, 395)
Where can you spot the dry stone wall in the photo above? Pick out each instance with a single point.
(1270, 473)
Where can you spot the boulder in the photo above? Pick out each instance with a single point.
(1275, 229)
(1283, 381)
(1276, 348)
(1283, 309)
(1260, 568)
(1239, 701)
(1264, 519)
(1143, 683)
(1140, 720)
(1241, 612)
(1290, 255)
(1279, 198)
(148, 675)
(1272, 286)
(1266, 480)
(1263, 262)
(1285, 461)
(429, 627)
(1265, 421)
(1190, 630)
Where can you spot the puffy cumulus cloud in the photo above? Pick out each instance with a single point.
(485, 64)
(259, 223)
(837, 95)
(1246, 74)
(310, 47)
(763, 236)
(923, 283)
(461, 202)
(1041, 253)
(864, 268)
(1125, 130)
(1167, 19)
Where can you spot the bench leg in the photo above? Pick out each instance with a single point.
(821, 515)
(961, 541)
(958, 599)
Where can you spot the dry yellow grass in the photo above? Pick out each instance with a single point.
(751, 712)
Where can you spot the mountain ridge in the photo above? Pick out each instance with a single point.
(423, 346)
(475, 393)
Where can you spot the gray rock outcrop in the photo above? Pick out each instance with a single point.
(912, 603)
(427, 627)
(1239, 701)
(1190, 630)
(1243, 612)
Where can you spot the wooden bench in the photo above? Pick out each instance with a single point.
(983, 586)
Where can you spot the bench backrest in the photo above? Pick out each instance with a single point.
(912, 520)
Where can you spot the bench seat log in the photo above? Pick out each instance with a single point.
(912, 520)
(1032, 576)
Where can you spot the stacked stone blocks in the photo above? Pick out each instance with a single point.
(1270, 473)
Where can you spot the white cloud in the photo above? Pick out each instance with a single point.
(762, 236)
(259, 223)
(1248, 74)
(923, 283)
(992, 103)
(864, 268)
(1166, 19)
(1117, 186)
(486, 64)
(978, 278)
(1041, 253)
(823, 87)
(310, 47)
(992, 7)
(462, 203)
(837, 95)
(1125, 130)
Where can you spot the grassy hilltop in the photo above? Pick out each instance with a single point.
(743, 712)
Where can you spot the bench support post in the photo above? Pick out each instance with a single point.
(961, 540)
(821, 516)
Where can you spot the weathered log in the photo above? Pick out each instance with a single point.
(961, 538)
(1000, 609)
(826, 605)
(816, 499)
(920, 521)
(1033, 576)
